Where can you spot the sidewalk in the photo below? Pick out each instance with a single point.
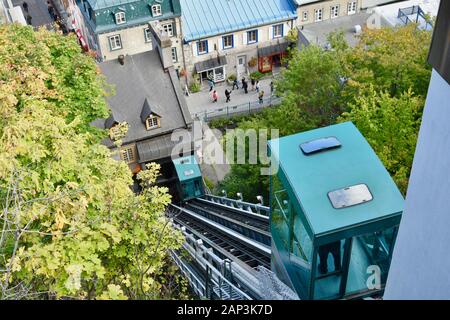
(38, 11)
(201, 101)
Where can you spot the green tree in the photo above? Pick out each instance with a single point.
(312, 84)
(70, 226)
(390, 59)
(387, 71)
(390, 125)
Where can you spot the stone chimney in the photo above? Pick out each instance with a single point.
(161, 42)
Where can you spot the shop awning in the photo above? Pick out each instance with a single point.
(273, 50)
(210, 64)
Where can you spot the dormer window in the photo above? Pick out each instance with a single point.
(156, 10)
(152, 122)
(149, 117)
(120, 17)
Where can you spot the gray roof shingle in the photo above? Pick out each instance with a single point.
(142, 81)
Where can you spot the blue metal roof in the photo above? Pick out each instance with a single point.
(312, 177)
(187, 168)
(205, 18)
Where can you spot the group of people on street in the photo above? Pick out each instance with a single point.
(256, 86)
(50, 8)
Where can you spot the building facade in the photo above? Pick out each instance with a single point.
(221, 38)
(120, 27)
(149, 100)
(312, 11)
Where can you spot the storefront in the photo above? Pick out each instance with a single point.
(212, 69)
(271, 56)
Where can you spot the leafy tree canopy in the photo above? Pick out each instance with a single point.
(380, 85)
(70, 226)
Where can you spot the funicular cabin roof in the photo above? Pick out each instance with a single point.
(187, 168)
(311, 178)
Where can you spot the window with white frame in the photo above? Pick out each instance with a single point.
(115, 42)
(305, 16)
(156, 10)
(334, 12)
(152, 122)
(174, 54)
(318, 15)
(278, 31)
(228, 41)
(120, 17)
(202, 47)
(252, 36)
(168, 28)
(351, 7)
(147, 35)
(128, 154)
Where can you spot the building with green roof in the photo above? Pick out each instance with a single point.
(335, 212)
(120, 27)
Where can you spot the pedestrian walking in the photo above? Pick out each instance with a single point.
(271, 88)
(228, 95)
(25, 6)
(211, 84)
(242, 82)
(235, 84)
(245, 86)
(215, 96)
(253, 84)
(261, 97)
(28, 18)
(257, 86)
(51, 11)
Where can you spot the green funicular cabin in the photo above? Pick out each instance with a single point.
(190, 178)
(335, 213)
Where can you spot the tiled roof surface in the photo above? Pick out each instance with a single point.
(207, 18)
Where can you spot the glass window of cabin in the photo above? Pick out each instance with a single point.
(301, 244)
(370, 260)
(300, 254)
(329, 270)
(280, 215)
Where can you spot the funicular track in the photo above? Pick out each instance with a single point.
(226, 242)
(252, 225)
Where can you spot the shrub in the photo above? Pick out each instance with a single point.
(256, 75)
(194, 87)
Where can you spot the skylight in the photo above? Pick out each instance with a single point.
(350, 196)
(320, 144)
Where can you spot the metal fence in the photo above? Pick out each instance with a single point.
(241, 109)
(412, 15)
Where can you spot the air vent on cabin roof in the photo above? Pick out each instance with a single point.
(350, 196)
(320, 144)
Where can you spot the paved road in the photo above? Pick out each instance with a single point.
(38, 11)
(201, 101)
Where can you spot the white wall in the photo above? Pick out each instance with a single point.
(133, 42)
(265, 38)
(326, 10)
(373, 3)
(420, 266)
